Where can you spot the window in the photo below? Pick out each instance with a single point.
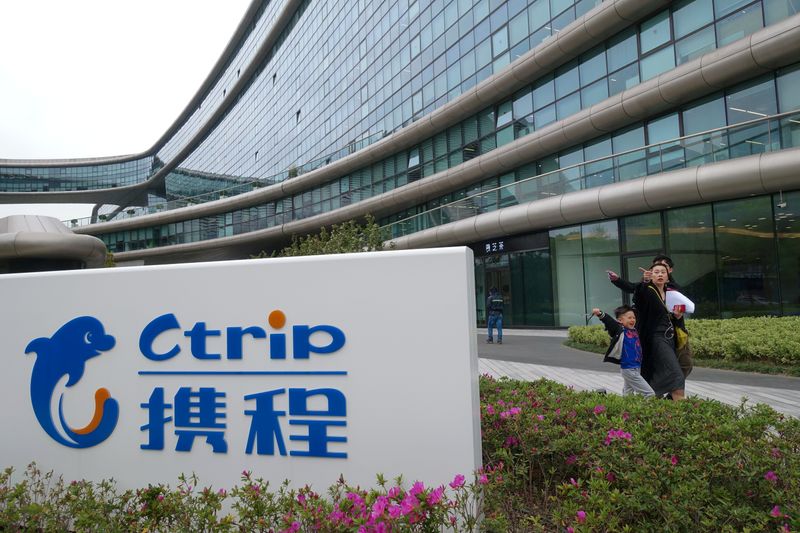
(695, 45)
(690, 15)
(739, 24)
(656, 63)
(655, 32)
(622, 50)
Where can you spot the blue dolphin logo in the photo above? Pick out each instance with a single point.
(65, 354)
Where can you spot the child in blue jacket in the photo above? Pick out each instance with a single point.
(625, 349)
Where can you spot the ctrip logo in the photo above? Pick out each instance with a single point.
(66, 354)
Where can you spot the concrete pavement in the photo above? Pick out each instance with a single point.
(533, 354)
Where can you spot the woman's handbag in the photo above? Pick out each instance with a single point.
(683, 351)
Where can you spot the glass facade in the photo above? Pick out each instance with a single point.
(733, 258)
(371, 68)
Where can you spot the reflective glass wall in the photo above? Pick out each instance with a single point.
(734, 258)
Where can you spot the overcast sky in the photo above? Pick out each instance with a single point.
(91, 78)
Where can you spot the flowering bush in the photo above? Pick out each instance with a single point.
(767, 339)
(554, 460)
(582, 461)
(42, 502)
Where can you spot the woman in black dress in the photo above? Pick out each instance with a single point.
(660, 365)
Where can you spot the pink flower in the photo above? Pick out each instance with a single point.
(611, 477)
(776, 512)
(771, 476)
(408, 504)
(394, 511)
(457, 482)
(435, 496)
(540, 417)
(570, 529)
(572, 459)
(599, 409)
(483, 480)
(673, 460)
(489, 409)
(417, 488)
(625, 415)
(160, 497)
(394, 492)
(379, 506)
(573, 482)
(580, 516)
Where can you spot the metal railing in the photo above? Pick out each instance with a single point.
(764, 134)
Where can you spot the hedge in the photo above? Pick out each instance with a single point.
(763, 339)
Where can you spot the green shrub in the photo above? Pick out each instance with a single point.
(586, 461)
(766, 339)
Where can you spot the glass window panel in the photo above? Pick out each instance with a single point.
(584, 6)
(539, 36)
(568, 106)
(746, 257)
(523, 105)
(695, 45)
(642, 232)
(518, 28)
(738, 25)
(596, 92)
(663, 129)
(789, 88)
(500, 41)
(563, 20)
(706, 115)
(755, 99)
(777, 10)
(483, 53)
(567, 79)
(568, 290)
(520, 49)
(505, 136)
(631, 165)
(539, 13)
(600, 253)
(623, 79)
(787, 226)
(544, 116)
(543, 92)
(690, 15)
(600, 172)
(569, 177)
(557, 6)
(593, 65)
(622, 49)
(532, 288)
(724, 7)
(656, 63)
(690, 244)
(655, 32)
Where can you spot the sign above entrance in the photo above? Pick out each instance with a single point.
(534, 241)
(297, 368)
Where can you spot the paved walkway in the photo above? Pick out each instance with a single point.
(533, 354)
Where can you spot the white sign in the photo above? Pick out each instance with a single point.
(298, 368)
